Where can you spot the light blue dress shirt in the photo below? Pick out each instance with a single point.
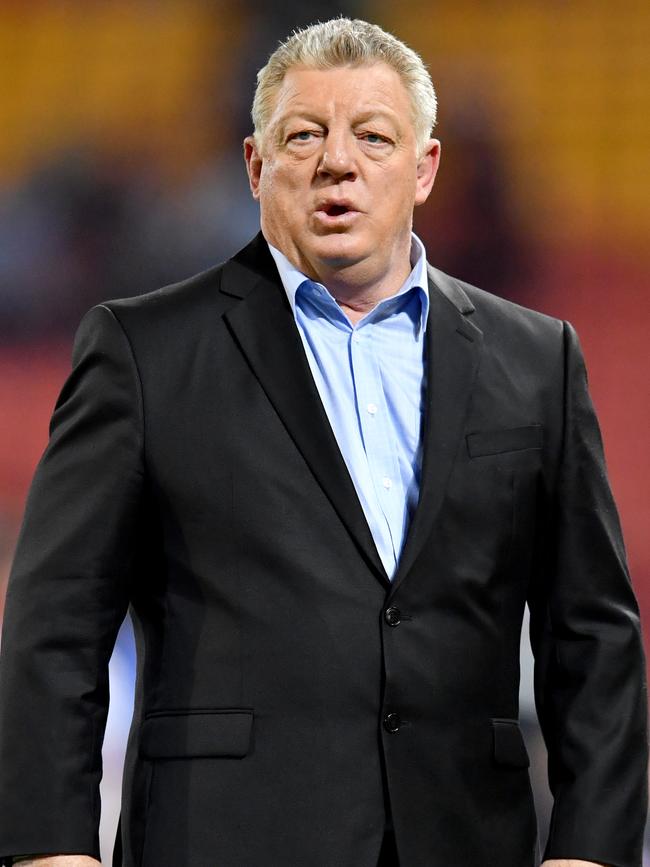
(371, 379)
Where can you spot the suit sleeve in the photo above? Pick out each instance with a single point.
(67, 595)
(589, 669)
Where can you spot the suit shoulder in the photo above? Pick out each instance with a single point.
(510, 311)
(510, 332)
(498, 316)
(190, 296)
(200, 295)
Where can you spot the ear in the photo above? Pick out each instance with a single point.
(427, 169)
(254, 161)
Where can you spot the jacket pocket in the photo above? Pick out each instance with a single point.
(508, 744)
(197, 734)
(496, 442)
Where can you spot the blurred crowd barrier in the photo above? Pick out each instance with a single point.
(121, 170)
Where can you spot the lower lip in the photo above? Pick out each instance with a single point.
(335, 221)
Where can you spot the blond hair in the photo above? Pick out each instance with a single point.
(347, 42)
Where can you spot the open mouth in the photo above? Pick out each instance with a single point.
(335, 216)
(336, 210)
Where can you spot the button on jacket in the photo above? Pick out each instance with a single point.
(193, 477)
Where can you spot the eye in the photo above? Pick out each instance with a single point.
(375, 139)
(302, 135)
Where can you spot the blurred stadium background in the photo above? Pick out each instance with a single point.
(121, 170)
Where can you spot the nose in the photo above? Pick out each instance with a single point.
(337, 160)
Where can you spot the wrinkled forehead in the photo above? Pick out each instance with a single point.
(350, 89)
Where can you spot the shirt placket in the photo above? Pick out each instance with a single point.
(378, 436)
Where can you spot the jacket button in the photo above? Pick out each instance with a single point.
(392, 616)
(392, 722)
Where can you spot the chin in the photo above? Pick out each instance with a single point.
(340, 250)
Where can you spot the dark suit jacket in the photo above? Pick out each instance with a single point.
(193, 476)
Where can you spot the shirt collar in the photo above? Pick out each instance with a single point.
(292, 278)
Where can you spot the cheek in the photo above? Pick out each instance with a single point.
(280, 201)
(278, 182)
(396, 196)
(267, 184)
(403, 195)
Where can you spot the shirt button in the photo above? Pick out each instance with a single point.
(386, 482)
(392, 616)
(372, 408)
(392, 722)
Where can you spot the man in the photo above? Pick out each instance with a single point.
(326, 478)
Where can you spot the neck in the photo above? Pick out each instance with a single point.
(358, 287)
(357, 300)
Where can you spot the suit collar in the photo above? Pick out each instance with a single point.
(449, 287)
(247, 268)
(255, 262)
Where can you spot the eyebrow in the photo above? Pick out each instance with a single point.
(374, 114)
(308, 116)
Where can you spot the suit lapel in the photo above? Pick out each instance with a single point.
(264, 327)
(454, 346)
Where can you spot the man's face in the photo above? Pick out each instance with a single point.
(338, 173)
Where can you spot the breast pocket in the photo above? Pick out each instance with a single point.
(489, 496)
(492, 500)
(498, 442)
